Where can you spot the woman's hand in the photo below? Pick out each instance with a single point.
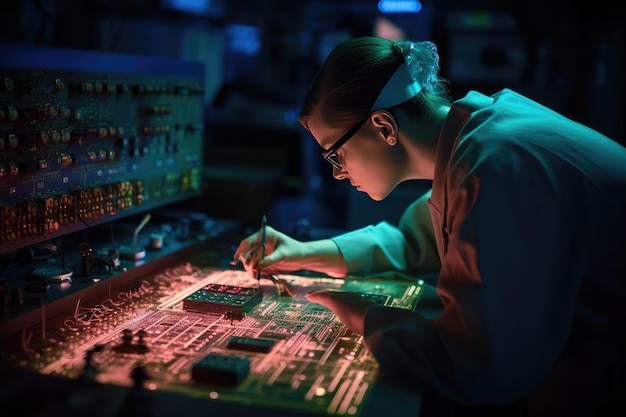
(281, 252)
(284, 254)
(349, 307)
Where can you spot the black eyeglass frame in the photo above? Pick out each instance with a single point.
(330, 154)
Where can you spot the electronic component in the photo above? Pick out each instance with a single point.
(285, 354)
(52, 273)
(231, 300)
(218, 369)
(377, 298)
(127, 345)
(37, 286)
(251, 344)
(87, 137)
(135, 252)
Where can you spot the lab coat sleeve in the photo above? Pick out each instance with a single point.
(508, 282)
(409, 248)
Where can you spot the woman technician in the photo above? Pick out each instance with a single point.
(525, 227)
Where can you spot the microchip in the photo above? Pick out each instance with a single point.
(251, 344)
(231, 300)
(218, 369)
(377, 298)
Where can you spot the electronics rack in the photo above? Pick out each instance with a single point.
(87, 137)
(89, 142)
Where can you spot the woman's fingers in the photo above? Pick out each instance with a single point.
(349, 307)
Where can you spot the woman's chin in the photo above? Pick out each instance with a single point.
(373, 196)
(376, 196)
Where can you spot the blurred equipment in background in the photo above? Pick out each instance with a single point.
(88, 137)
(484, 47)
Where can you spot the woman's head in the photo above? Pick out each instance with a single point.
(354, 73)
(368, 77)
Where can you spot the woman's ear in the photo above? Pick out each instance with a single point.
(386, 123)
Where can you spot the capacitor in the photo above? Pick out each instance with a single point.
(157, 240)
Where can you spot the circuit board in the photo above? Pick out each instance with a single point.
(279, 352)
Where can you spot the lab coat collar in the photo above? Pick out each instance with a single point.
(449, 139)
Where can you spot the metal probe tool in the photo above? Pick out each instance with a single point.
(262, 246)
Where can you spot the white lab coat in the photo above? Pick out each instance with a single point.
(528, 212)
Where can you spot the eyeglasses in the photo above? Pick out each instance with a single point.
(330, 154)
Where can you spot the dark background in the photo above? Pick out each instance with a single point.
(260, 55)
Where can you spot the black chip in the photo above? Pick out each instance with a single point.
(218, 369)
(251, 344)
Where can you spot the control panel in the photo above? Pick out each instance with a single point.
(87, 137)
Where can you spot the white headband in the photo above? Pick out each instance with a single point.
(400, 87)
